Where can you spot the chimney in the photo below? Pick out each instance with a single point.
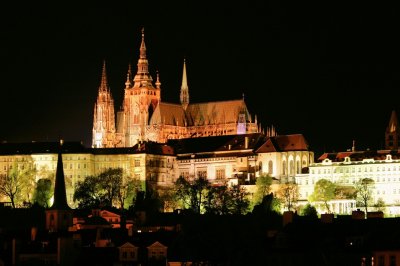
(287, 217)
(33, 233)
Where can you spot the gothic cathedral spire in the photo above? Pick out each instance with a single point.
(184, 97)
(142, 77)
(392, 134)
(103, 133)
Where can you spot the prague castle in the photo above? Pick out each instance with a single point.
(144, 117)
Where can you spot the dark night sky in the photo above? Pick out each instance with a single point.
(330, 72)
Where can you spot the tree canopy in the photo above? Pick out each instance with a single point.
(324, 190)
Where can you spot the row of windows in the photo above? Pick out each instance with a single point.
(353, 170)
(352, 180)
(291, 167)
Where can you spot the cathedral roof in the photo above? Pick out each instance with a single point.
(199, 114)
(216, 112)
(168, 114)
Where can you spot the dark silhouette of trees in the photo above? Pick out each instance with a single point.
(109, 188)
(192, 194)
(43, 192)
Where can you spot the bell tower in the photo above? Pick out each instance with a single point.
(103, 133)
(59, 215)
(140, 99)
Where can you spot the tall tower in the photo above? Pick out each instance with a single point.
(103, 133)
(59, 215)
(392, 134)
(184, 96)
(140, 99)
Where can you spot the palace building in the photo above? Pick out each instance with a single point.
(232, 159)
(347, 168)
(144, 117)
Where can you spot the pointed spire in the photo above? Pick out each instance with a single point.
(142, 77)
(392, 134)
(158, 83)
(143, 46)
(128, 82)
(104, 83)
(60, 194)
(393, 122)
(184, 97)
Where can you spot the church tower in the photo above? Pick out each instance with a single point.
(59, 215)
(140, 99)
(103, 133)
(184, 96)
(392, 134)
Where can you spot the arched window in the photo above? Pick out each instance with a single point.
(291, 167)
(298, 167)
(270, 167)
(284, 167)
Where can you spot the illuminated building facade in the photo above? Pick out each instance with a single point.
(347, 168)
(144, 117)
(233, 159)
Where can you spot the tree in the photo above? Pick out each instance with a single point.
(10, 185)
(324, 190)
(263, 187)
(364, 189)
(240, 199)
(218, 200)
(288, 194)
(110, 184)
(128, 191)
(192, 194)
(309, 211)
(17, 185)
(43, 192)
(109, 188)
(345, 192)
(380, 205)
(88, 192)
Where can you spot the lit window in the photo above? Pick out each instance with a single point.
(220, 174)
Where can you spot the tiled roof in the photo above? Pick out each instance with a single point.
(295, 142)
(216, 112)
(41, 147)
(168, 114)
(198, 114)
(359, 155)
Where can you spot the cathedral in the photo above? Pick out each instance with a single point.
(144, 117)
